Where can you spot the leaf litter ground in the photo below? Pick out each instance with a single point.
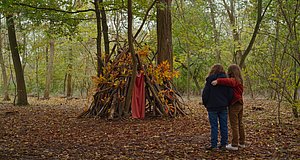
(49, 129)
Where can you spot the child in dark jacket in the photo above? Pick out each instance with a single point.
(235, 81)
(216, 100)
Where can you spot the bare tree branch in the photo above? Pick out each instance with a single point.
(54, 9)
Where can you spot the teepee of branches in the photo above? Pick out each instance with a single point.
(112, 88)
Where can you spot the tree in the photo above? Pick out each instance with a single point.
(260, 15)
(114, 88)
(105, 30)
(230, 9)
(133, 56)
(193, 44)
(290, 13)
(100, 63)
(49, 74)
(21, 87)
(69, 72)
(215, 30)
(3, 68)
(164, 32)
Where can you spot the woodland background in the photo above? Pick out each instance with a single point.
(57, 43)
(52, 48)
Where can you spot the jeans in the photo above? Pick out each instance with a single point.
(214, 117)
(237, 125)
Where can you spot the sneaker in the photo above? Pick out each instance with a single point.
(242, 145)
(230, 147)
(211, 148)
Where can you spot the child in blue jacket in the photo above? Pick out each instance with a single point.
(216, 100)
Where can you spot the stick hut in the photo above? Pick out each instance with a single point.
(113, 85)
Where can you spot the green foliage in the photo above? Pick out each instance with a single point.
(269, 67)
(191, 36)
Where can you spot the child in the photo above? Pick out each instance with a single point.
(235, 81)
(216, 100)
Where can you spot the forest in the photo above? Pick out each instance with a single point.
(69, 70)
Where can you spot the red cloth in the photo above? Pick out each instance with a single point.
(236, 86)
(138, 98)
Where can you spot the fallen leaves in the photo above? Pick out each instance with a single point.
(50, 130)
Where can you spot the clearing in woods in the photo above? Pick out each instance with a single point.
(50, 130)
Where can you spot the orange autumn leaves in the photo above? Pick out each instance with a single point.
(162, 73)
(113, 73)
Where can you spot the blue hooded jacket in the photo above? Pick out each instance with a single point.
(216, 98)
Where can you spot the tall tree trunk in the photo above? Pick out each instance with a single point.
(215, 31)
(164, 32)
(49, 70)
(69, 85)
(24, 57)
(3, 69)
(105, 31)
(117, 24)
(239, 56)
(21, 87)
(275, 49)
(259, 19)
(36, 51)
(188, 74)
(37, 75)
(65, 82)
(100, 63)
(134, 58)
(187, 50)
(296, 50)
(236, 36)
(86, 85)
(291, 22)
(69, 74)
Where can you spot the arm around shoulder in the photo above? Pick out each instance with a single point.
(227, 82)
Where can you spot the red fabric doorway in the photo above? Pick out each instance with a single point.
(138, 98)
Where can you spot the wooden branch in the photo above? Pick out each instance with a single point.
(144, 19)
(255, 32)
(230, 14)
(156, 109)
(116, 60)
(111, 53)
(154, 93)
(53, 9)
(179, 108)
(113, 107)
(151, 101)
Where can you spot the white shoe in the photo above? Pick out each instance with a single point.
(230, 147)
(242, 145)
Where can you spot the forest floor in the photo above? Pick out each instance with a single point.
(50, 129)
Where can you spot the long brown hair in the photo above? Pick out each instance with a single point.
(234, 71)
(215, 69)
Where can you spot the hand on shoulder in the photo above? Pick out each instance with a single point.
(215, 82)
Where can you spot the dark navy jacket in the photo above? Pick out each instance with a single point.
(216, 98)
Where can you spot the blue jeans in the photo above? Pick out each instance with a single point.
(213, 120)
